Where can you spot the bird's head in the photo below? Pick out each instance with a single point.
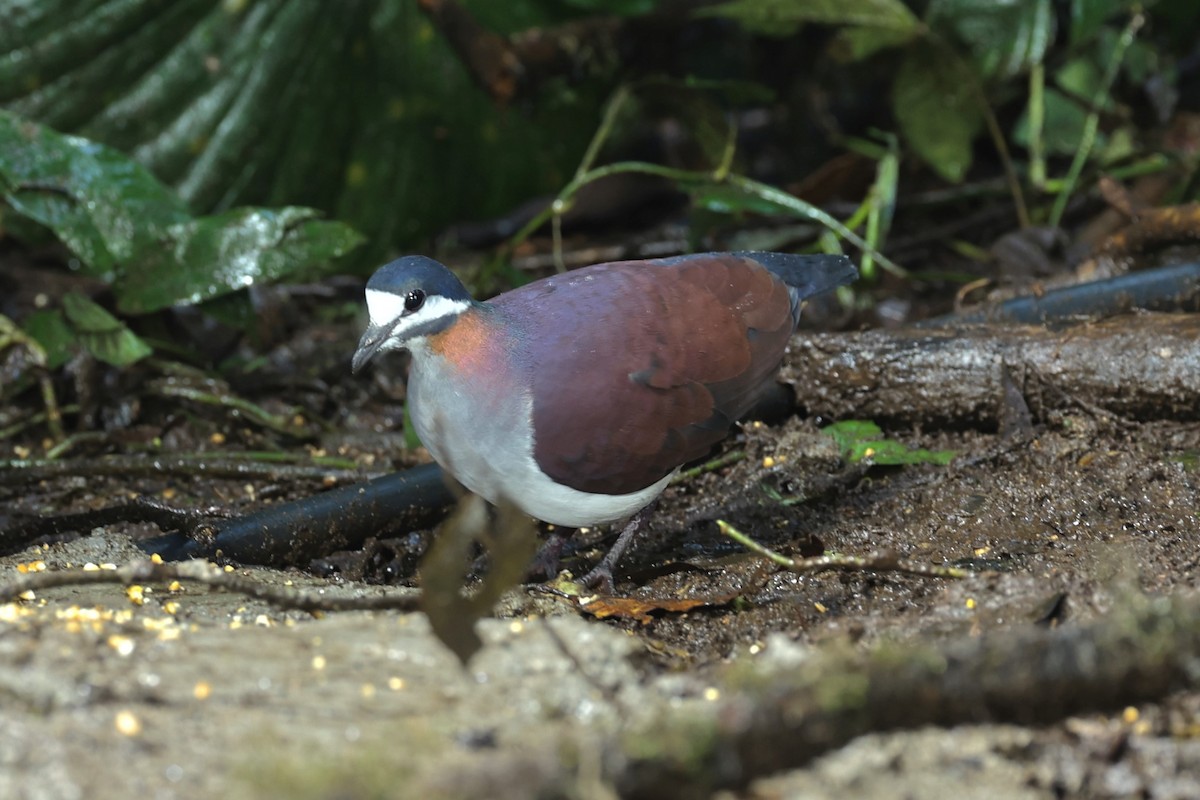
(409, 299)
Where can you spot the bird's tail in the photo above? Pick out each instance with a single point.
(807, 275)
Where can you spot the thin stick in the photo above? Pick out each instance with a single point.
(881, 561)
(203, 572)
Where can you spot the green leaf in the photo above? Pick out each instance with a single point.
(860, 440)
(101, 204)
(195, 91)
(933, 103)
(135, 234)
(1081, 77)
(888, 453)
(102, 334)
(1089, 16)
(726, 199)
(784, 17)
(1004, 38)
(1063, 127)
(213, 256)
(52, 332)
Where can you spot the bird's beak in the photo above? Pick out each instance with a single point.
(369, 345)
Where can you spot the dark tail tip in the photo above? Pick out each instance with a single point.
(807, 274)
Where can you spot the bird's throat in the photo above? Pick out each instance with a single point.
(469, 345)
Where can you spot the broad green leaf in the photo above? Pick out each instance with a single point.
(860, 439)
(102, 334)
(213, 256)
(298, 102)
(1063, 126)
(784, 17)
(53, 333)
(1081, 77)
(101, 204)
(1005, 37)
(134, 233)
(938, 116)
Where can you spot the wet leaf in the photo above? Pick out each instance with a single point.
(1005, 39)
(133, 232)
(282, 102)
(860, 440)
(105, 207)
(641, 609)
(102, 334)
(938, 115)
(213, 256)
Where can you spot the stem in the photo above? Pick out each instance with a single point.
(1088, 139)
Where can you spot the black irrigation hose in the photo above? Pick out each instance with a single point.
(301, 530)
(1164, 289)
(296, 532)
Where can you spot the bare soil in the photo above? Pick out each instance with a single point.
(186, 692)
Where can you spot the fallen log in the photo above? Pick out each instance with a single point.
(1141, 366)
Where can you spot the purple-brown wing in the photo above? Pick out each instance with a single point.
(638, 367)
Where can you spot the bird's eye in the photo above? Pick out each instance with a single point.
(414, 300)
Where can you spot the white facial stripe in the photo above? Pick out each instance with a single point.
(385, 308)
(437, 307)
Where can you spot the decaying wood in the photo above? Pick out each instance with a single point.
(1144, 366)
(776, 717)
(785, 718)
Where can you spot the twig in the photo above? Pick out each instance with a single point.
(881, 561)
(732, 457)
(195, 523)
(786, 202)
(203, 572)
(239, 405)
(143, 465)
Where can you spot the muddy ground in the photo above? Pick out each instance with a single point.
(187, 692)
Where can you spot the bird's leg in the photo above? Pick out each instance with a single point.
(601, 576)
(545, 564)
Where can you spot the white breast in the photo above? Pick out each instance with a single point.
(485, 440)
